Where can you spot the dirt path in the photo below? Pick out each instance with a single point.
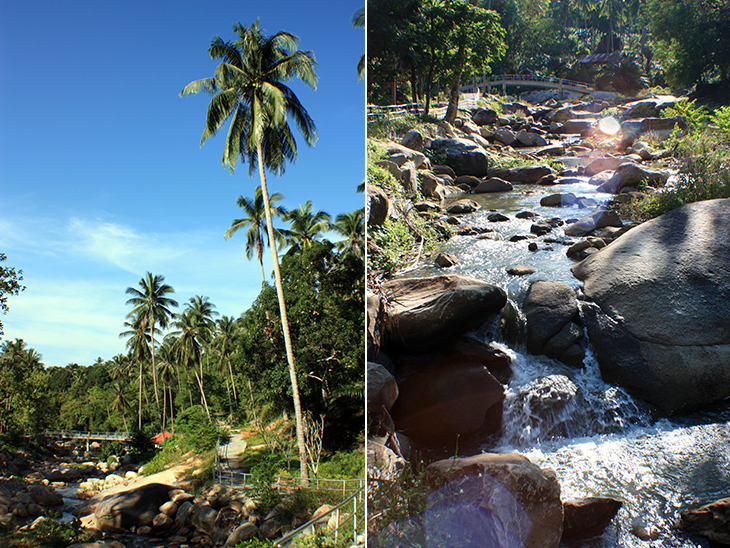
(230, 453)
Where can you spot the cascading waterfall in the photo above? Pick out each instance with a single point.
(599, 440)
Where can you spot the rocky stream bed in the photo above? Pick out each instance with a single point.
(578, 366)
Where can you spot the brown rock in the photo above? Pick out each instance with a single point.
(440, 404)
(425, 312)
(518, 503)
(711, 521)
(588, 517)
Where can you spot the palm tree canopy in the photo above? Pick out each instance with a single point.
(248, 89)
(255, 221)
(306, 226)
(352, 227)
(150, 300)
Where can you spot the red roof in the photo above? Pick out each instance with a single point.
(159, 438)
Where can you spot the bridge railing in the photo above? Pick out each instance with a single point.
(527, 79)
(82, 435)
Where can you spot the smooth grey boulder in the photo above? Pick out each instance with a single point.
(657, 303)
(426, 312)
(493, 184)
(382, 388)
(376, 205)
(548, 308)
(463, 155)
(522, 174)
(413, 140)
(599, 218)
(631, 174)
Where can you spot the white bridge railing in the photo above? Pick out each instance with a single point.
(82, 435)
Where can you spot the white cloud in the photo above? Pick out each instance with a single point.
(77, 271)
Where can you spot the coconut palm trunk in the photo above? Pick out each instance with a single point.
(304, 471)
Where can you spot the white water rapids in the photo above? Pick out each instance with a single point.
(599, 440)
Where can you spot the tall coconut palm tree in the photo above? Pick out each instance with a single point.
(139, 350)
(187, 348)
(151, 303)
(306, 226)
(225, 335)
(352, 227)
(249, 89)
(255, 221)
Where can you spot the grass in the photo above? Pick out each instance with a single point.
(47, 534)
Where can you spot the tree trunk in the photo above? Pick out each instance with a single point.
(453, 108)
(284, 323)
(154, 371)
(139, 421)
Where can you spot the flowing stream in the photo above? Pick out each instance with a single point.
(599, 440)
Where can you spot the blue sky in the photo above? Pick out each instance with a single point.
(102, 177)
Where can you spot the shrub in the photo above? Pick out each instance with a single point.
(198, 432)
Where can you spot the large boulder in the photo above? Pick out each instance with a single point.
(382, 388)
(493, 184)
(485, 117)
(501, 500)
(400, 154)
(132, 508)
(656, 307)
(463, 155)
(376, 205)
(522, 174)
(548, 308)
(438, 405)
(631, 174)
(425, 312)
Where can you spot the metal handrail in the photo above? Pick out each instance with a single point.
(355, 497)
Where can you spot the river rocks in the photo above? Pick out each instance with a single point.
(485, 117)
(656, 307)
(44, 496)
(465, 156)
(588, 517)
(461, 207)
(552, 316)
(650, 106)
(446, 260)
(400, 154)
(424, 312)
(443, 403)
(382, 388)
(376, 206)
(631, 174)
(599, 218)
(601, 164)
(133, 508)
(413, 140)
(503, 500)
(505, 136)
(711, 521)
(521, 270)
(522, 174)
(493, 184)
(658, 128)
(565, 199)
